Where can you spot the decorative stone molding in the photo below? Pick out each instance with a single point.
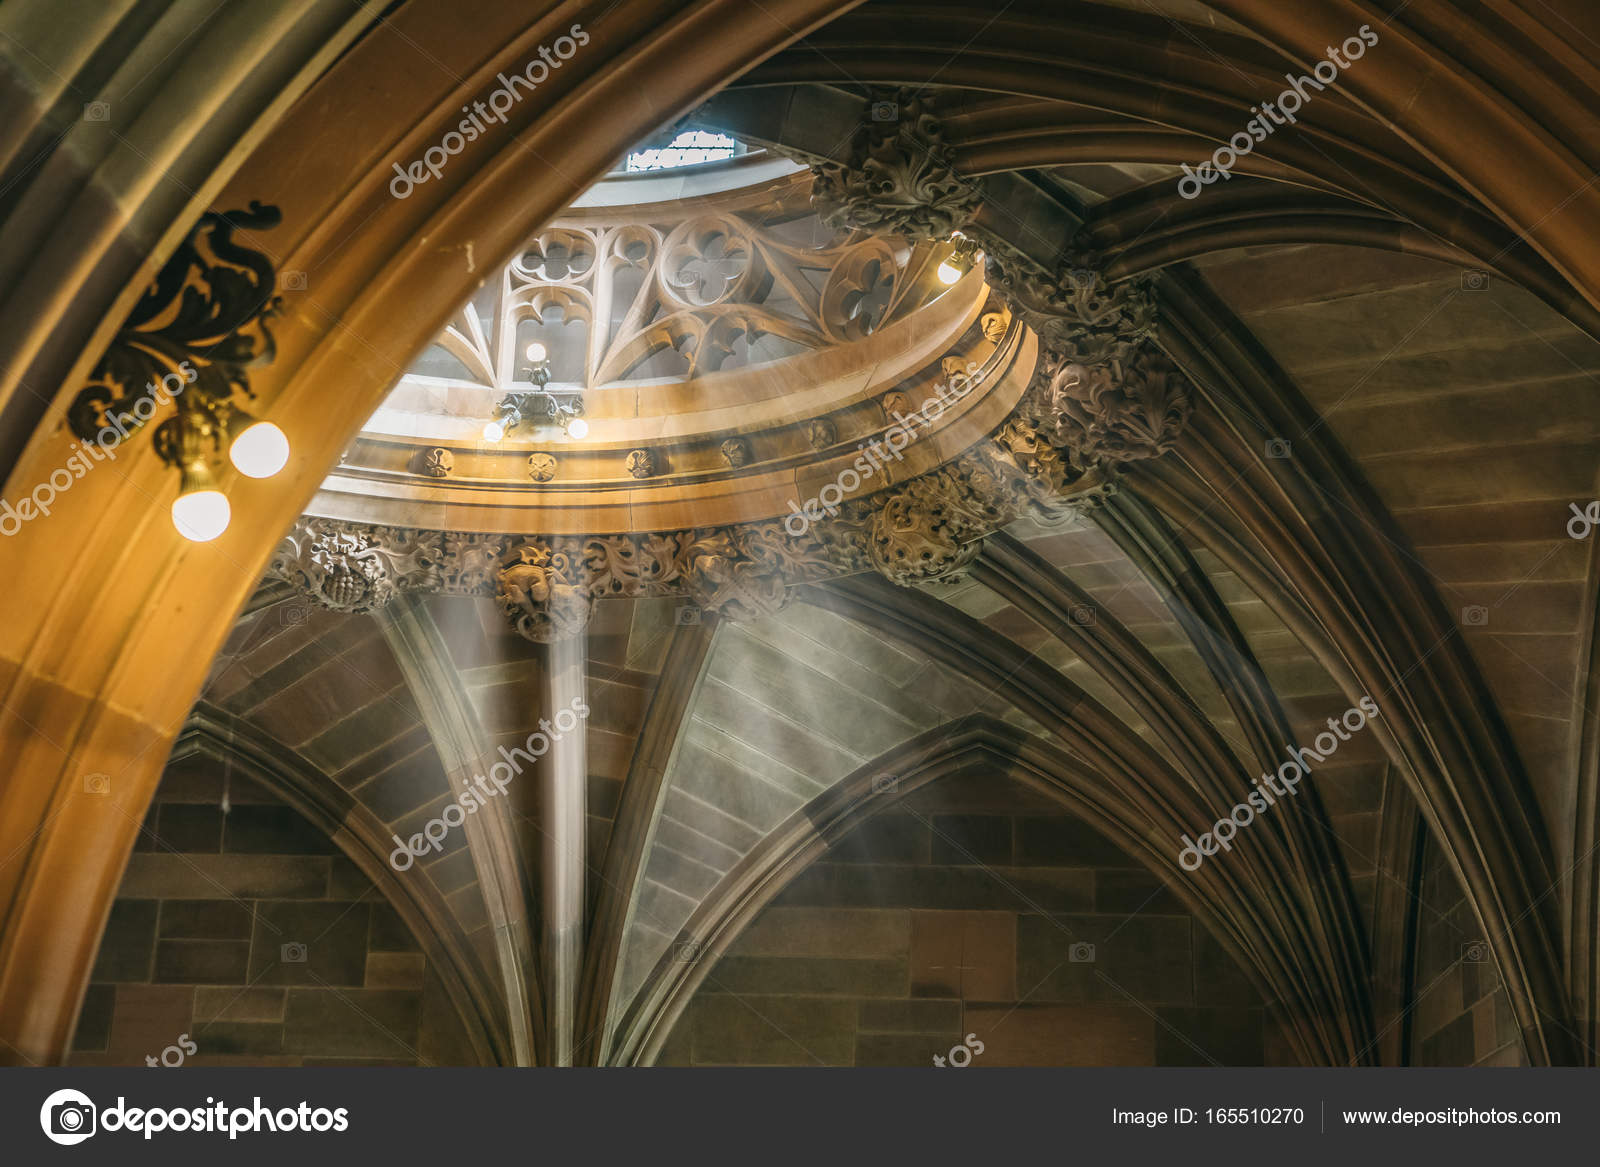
(1102, 395)
(925, 529)
(541, 466)
(1102, 390)
(744, 573)
(899, 178)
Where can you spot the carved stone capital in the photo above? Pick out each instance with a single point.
(1077, 314)
(899, 178)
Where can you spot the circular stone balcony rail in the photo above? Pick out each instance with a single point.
(807, 357)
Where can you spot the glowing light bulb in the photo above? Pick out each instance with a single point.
(949, 273)
(201, 515)
(259, 452)
(537, 352)
(493, 432)
(577, 428)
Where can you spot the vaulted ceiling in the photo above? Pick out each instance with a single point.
(1386, 322)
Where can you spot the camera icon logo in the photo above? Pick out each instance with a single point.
(688, 614)
(1474, 280)
(1278, 448)
(97, 111)
(291, 615)
(67, 1117)
(293, 281)
(292, 953)
(97, 784)
(1475, 952)
(1475, 615)
(885, 111)
(885, 783)
(687, 951)
(1083, 616)
(1081, 953)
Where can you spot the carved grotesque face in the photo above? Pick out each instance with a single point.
(530, 582)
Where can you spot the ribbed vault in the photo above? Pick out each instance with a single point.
(1383, 326)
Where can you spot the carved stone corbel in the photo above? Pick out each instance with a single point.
(1119, 411)
(1103, 392)
(900, 178)
(1077, 314)
(544, 591)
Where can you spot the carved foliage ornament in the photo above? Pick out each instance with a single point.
(353, 568)
(1077, 314)
(899, 178)
(1121, 411)
(206, 310)
(928, 528)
